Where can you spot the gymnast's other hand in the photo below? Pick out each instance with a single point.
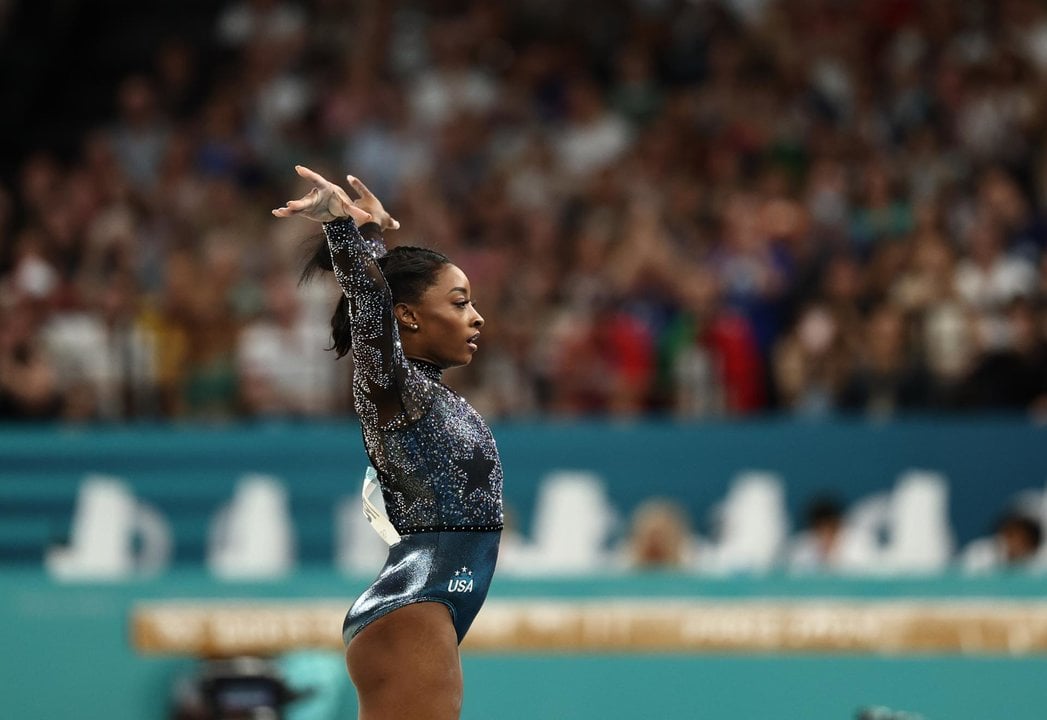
(324, 203)
(369, 203)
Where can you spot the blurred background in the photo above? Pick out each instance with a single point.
(765, 288)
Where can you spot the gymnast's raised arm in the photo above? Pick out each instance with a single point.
(364, 321)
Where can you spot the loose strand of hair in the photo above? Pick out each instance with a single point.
(316, 258)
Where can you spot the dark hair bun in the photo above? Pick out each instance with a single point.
(409, 272)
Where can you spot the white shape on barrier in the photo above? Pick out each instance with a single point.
(921, 541)
(752, 525)
(982, 555)
(904, 531)
(253, 537)
(107, 521)
(572, 522)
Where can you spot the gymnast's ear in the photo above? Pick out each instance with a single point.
(405, 315)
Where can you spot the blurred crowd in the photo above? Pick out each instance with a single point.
(705, 208)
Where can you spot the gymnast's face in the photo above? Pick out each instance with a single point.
(448, 325)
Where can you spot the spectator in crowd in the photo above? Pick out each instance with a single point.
(140, 135)
(811, 363)
(281, 362)
(885, 379)
(817, 548)
(660, 538)
(261, 21)
(1013, 373)
(105, 354)
(1015, 544)
(29, 388)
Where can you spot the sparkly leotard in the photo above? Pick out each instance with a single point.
(436, 459)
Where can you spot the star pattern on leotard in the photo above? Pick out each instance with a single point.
(478, 470)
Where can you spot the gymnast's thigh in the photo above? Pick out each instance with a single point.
(405, 664)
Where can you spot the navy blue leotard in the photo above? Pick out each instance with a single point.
(436, 458)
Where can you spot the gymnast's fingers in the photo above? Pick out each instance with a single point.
(293, 207)
(359, 187)
(311, 175)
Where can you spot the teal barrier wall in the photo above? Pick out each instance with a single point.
(67, 652)
(188, 471)
(67, 655)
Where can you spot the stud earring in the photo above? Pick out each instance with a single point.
(414, 326)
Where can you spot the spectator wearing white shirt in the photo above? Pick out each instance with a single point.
(592, 137)
(989, 277)
(1014, 545)
(284, 369)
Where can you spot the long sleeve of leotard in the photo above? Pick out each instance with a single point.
(386, 389)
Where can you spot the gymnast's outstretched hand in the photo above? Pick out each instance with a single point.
(324, 203)
(369, 203)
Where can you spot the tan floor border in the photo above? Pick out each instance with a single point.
(974, 627)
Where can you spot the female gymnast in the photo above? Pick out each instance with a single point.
(406, 315)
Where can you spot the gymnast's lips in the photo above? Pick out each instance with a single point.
(471, 342)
